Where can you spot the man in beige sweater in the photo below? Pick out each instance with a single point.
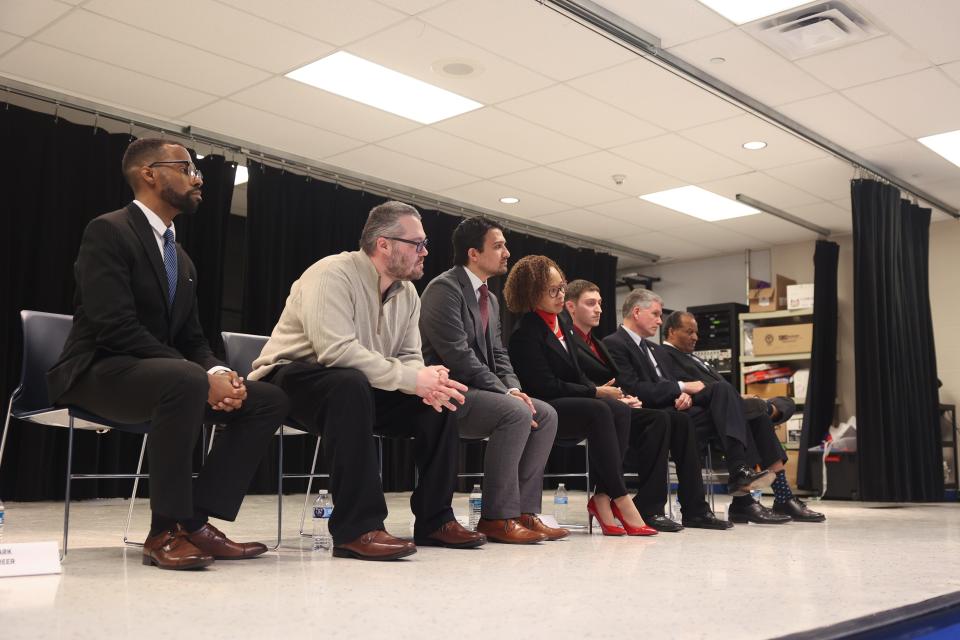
(346, 350)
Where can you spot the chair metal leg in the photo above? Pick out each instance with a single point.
(711, 477)
(6, 429)
(133, 496)
(380, 457)
(279, 489)
(670, 513)
(306, 498)
(66, 496)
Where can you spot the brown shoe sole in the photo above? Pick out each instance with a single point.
(339, 552)
(430, 542)
(509, 541)
(200, 564)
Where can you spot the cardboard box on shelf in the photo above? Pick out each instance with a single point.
(800, 296)
(787, 338)
(781, 431)
(793, 455)
(764, 296)
(769, 389)
(800, 379)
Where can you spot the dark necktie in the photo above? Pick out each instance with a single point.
(703, 365)
(650, 358)
(170, 264)
(484, 302)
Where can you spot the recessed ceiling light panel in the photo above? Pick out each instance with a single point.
(509, 200)
(754, 145)
(743, 11)
(700, 203)
(372, 84)
(946, 144)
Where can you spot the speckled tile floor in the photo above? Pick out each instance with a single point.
(749, 582)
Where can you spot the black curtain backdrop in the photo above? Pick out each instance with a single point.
(293, 221)
(819, 406)
(897, 423)
(56, 177)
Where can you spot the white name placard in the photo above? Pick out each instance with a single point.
(29, 559)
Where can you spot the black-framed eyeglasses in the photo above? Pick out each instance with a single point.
(421, 245)
(187, 170)
(553, 292)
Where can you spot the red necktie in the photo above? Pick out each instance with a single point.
(484, 302)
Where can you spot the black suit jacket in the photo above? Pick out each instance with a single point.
(637, 377)
(683, 367)
(545, 368)
(121, 305)
(595, 369)
(453, 334)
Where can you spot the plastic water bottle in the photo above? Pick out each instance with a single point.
(2, 514)
(475, 504)
(322, 510)
(560, 502)
(756, 494)
(677, 515)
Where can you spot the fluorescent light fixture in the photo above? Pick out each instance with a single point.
(946, 144)
(700, 203)
(242, 175)
(743, 11)
(509, 200)
(199, 156)
(353, 77)
(754, 145)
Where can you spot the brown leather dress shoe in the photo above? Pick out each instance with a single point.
(532, 522)
(212, 541)
(509, 531)
(452, 535)
(171, 550)
(375, 545)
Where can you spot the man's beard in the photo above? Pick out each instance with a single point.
(398, 271)
(184, 203)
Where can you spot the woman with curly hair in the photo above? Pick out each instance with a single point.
(541, 350)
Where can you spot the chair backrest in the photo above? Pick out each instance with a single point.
(44, 335)
(242, 349)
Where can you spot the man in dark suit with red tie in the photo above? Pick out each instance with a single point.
(136, 353)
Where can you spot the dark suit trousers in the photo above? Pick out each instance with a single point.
(718, 409)
(685, 451)
(763, 445)
(606, 426)
(172, 395)
(647, 457)
(341, 406)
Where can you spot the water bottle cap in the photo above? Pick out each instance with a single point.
(561, 486)
(476, 487)
(323, 492)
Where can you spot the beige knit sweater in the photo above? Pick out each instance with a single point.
(334, 315)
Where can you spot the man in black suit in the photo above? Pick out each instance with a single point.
(680, 341)
(583, 303)
(643, 372)
(460, 328)
(136, 353)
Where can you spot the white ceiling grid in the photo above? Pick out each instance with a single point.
(565, 108)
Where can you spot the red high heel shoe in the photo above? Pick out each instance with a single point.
(608, 529)
(631, 530)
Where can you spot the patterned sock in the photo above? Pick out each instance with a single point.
(781, 490)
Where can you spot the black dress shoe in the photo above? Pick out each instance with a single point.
(706, 521)
(797, 510)
(743, 479)
(661, 522)
(756, 513)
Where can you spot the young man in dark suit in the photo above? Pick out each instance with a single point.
(680, 341)
(584, 306)
(136, 353)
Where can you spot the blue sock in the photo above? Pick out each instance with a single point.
(781, 490)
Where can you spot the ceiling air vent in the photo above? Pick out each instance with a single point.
(813, 29)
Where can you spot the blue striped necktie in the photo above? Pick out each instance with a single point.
(170, 264)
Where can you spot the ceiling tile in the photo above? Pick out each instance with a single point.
(673, 21)
(918, 104)
(494, 128)
(768, 229)
(727, 137)
(486, 195)
(39, 64)
(655, 95)
(157, 56)
(219, 29)
(600, 167)
(751, 67)
(826, 214)
(529, 33)
(836, 118)
(666, 246)
(827, 178)
(912, 162)
(952, 70)
(762, 187)
(714, 236)
(930, 27)
(8, 41)
(252, 125)
(864, 62)
(428, 143)
(579, 116)
(559, 186)
(319, 108)
(644, 214)
(681, 158)
(948, 191)
(411, 7)
(420, 50)
(406, 171)
(588, 224)
(26, 17)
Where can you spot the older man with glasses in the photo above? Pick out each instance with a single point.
(347, 352)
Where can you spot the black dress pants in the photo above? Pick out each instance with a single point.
(342, 407)
(172, 395)
(763, 444)
(647, 457)
(685, 451)
(605, 424)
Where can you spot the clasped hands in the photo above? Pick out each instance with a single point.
(438, 390)
(607, 390)
(227, 391)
